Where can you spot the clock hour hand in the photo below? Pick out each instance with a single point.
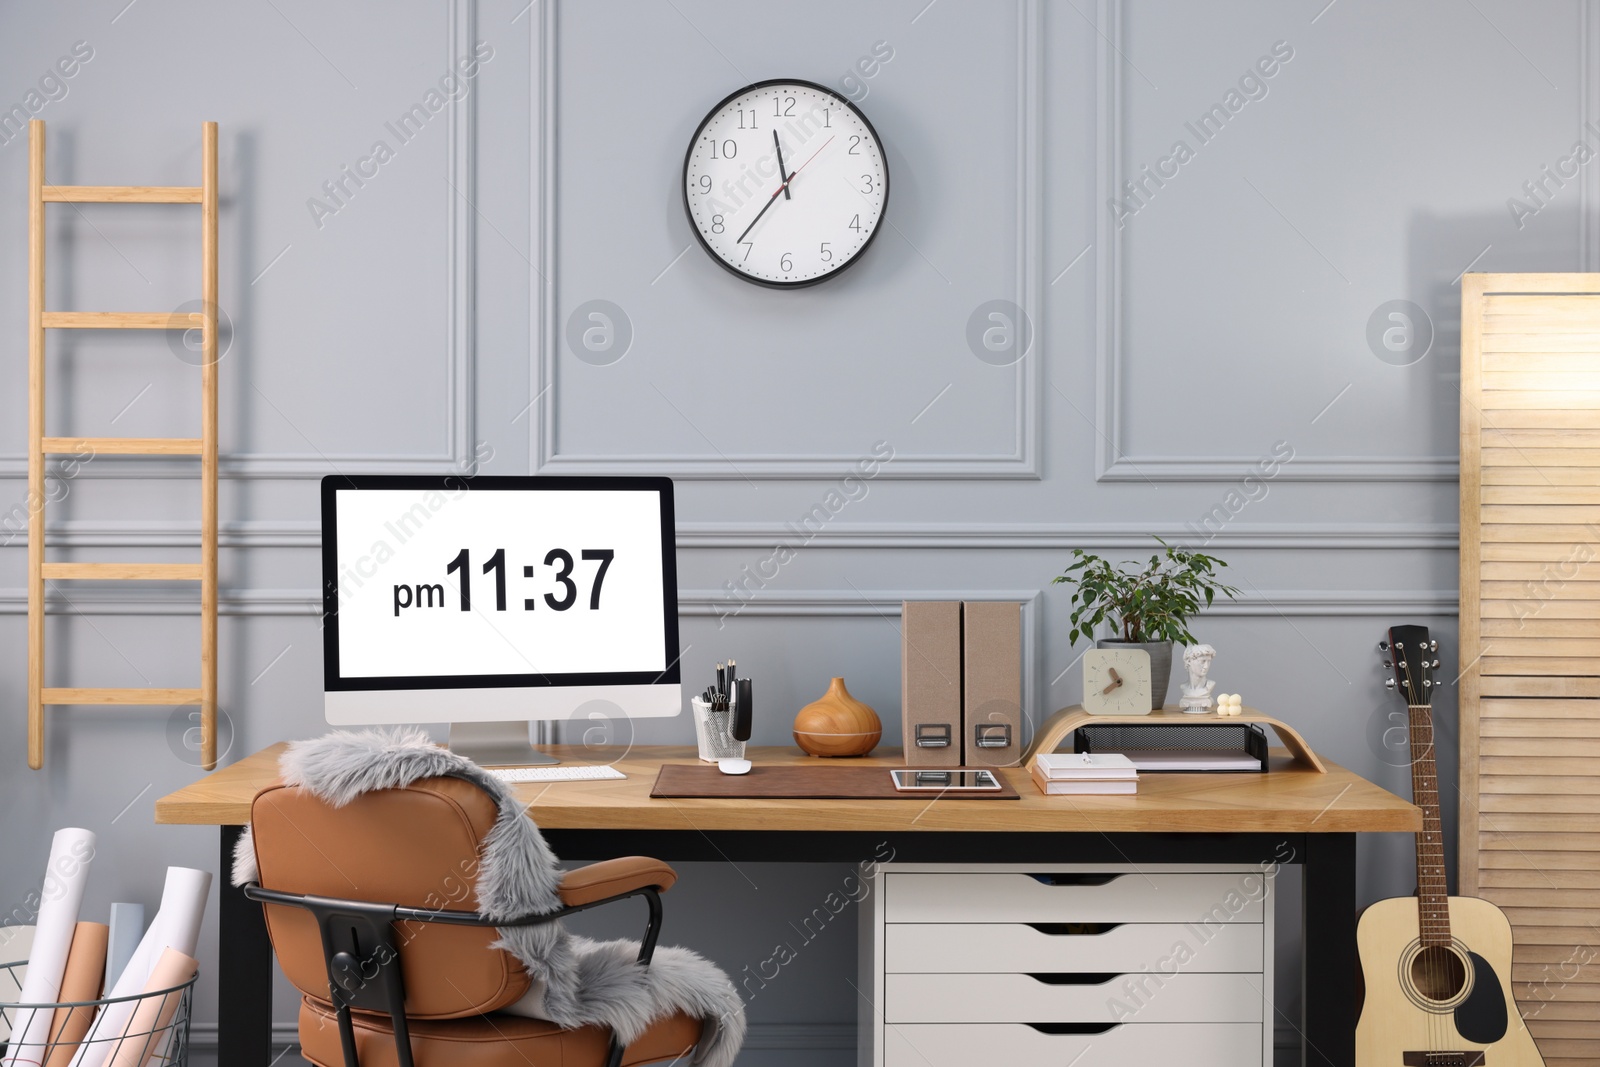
(781, 173)
(1116, 680)
(781, 189)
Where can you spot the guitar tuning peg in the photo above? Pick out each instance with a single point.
(1388, 683)
(1435, 664)
(1433, 646)
(1383, 646)
(1387, 665)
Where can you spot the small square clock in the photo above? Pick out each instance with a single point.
(1116, 681)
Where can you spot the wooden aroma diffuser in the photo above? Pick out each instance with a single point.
(837, 725)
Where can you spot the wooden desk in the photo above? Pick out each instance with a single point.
(1291, 814)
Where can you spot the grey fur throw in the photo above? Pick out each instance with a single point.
(582, 981)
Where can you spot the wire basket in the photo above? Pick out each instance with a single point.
(712, 733)
(156, 1030)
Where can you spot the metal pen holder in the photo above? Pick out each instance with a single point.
(712, 732)
(157, 1030)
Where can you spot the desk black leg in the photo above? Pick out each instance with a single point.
(1328, 967)
(244, 969)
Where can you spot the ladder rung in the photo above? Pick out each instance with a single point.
(168, 572)
(122, 194)
(120, 696)
(121, 320)
(124, 446)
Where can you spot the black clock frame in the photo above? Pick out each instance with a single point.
(688, 154)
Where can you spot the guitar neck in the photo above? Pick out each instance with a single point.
(1432, 892)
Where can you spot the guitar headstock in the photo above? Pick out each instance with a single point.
(1413, 657)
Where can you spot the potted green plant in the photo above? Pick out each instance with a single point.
(1147, 607)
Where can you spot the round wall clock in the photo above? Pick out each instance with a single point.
(785, 183)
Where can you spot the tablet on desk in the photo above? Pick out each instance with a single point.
(947, 781)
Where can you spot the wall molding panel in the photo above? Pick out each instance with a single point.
(1021, 463)
(978, 536)
(884, 604)
(173, 600)
(459, 342)
(1114, 462)
(1588, 109)
(815, 603)
(891, 535)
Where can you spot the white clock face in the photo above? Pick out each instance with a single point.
(1116, 681)
(785, 183)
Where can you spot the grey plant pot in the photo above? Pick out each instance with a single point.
(1160, 664)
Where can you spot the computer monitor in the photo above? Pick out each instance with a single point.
(487, 602)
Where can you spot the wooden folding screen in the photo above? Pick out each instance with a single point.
(1530, 638)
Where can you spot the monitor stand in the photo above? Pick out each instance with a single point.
(497, 744)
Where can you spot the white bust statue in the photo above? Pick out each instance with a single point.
(1197, 691)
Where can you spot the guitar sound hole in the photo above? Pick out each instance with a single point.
(1438, 973)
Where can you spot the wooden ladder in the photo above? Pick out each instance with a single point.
(204, 446)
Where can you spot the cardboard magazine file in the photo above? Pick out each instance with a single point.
(930, 683)
(991, 674)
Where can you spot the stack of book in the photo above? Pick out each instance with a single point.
(1085, 773)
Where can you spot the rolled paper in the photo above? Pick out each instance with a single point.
(71, 852)
(176, 926)
(15, 944)
(127, 927)
(183, 906)
(82, 980)
(146, 1031)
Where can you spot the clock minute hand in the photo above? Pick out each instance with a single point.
(1116, 680)
(781, 174)
(770, 201)
(779, 189)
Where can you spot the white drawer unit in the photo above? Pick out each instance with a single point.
(1066, 963)
(1165, 948)
(974, 1045)
(1071, 997)
(1068, 896)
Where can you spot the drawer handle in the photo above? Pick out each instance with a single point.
(1076, 978)
(1073, 1028)
(1074, 929)
(1061, 878)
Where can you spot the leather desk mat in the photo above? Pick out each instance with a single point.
(823, 780)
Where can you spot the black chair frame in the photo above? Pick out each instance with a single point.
(362, 953)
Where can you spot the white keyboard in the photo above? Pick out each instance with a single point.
(559, 773)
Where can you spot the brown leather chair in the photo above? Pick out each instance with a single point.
(373, 915)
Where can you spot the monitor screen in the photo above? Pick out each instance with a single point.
(435, 583)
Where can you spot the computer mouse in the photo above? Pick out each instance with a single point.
(733, 766)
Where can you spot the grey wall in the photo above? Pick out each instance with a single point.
(1181, 340)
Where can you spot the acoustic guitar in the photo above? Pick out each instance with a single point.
(1436, 968)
